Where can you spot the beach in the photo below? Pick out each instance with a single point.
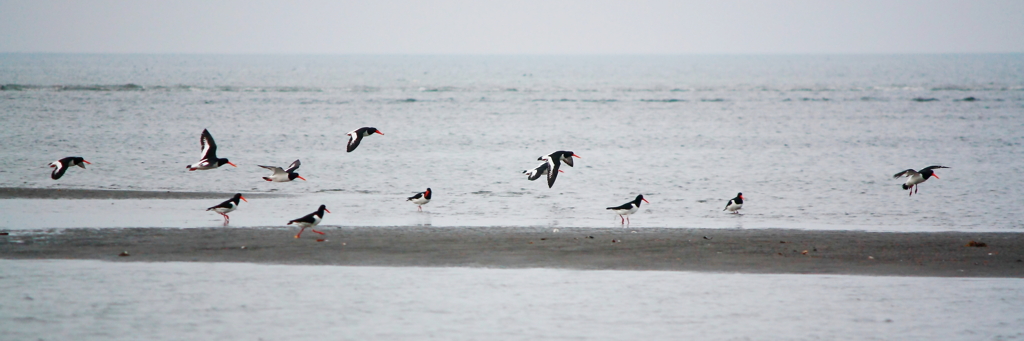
(767, 251)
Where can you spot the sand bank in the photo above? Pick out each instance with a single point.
(716, 250)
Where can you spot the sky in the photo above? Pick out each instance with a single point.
(541, 27)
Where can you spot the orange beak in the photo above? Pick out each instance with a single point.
(378, 132)
(232, 165)
(935, 175)
(577, 156)
(243, 198)
(645, 200)
(87, 162)
(742, 198)
(328, 211)
(300, 177)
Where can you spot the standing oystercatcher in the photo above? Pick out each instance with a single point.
(420, 199)
(537, 172)
(916, 177)
(209, 160)
(63, 164)
(355, 136)
(735, 204)
(227, 206)
(628, 208)
(284, 175)
(310, 220)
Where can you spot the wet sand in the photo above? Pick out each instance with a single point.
(712, 250)
(71, 193)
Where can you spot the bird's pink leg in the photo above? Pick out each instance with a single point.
(300, 232)
(314, 230)
(623, 219)
(916, 187)
(627, 220)
(421, 208)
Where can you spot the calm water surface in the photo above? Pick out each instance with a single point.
(811, 141)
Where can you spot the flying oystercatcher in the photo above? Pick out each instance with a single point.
(62, 165)
(735, 204)
(420, 199)
(310, 220)
(227, 206)
(210, 159)
(356, 136)
(284, 175)
(916, 177)
(562, 155)
(554, 161)
(628, 208)
(537, 172)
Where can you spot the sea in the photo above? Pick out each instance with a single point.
(812, 141)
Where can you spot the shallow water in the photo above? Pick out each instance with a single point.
(91, 300)
(811, 141)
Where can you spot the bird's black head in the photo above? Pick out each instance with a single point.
(640, 198)
(322, 209)
(371, 130)
(221, 162)
(293, 175)
(427, 193)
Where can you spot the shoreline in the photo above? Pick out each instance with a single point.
(76, 193)
(761, 251)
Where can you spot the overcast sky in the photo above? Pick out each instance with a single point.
(512, 27)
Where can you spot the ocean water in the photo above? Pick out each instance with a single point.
(811, 141)
(94, 300)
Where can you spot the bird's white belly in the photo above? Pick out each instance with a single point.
(915, 179)
(734, 207)
(420, 201)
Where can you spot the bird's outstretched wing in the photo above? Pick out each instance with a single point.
(275, 169)
(353, 140)
(553, 164)
(292, 167)
(209, 147)
(909, 172)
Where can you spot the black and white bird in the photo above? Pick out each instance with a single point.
(209, 159)
(284, 175)
(554, 161)
(310, 220)
(227, 206)
(541, 170)
(61, 166)
(356, 136)
(735, 204)
(916, 177)
(420, 199)
(561, 155)
(628, 208)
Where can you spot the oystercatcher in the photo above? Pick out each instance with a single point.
(63, 164)
(420, 199)
(537, 172)
(210, 159)
(355, 136)
(916, 177)
(735, 204)
(310, 220)
(628, 208)
(284, 175)
(561, 155)
(554, 161)
(227, 206)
